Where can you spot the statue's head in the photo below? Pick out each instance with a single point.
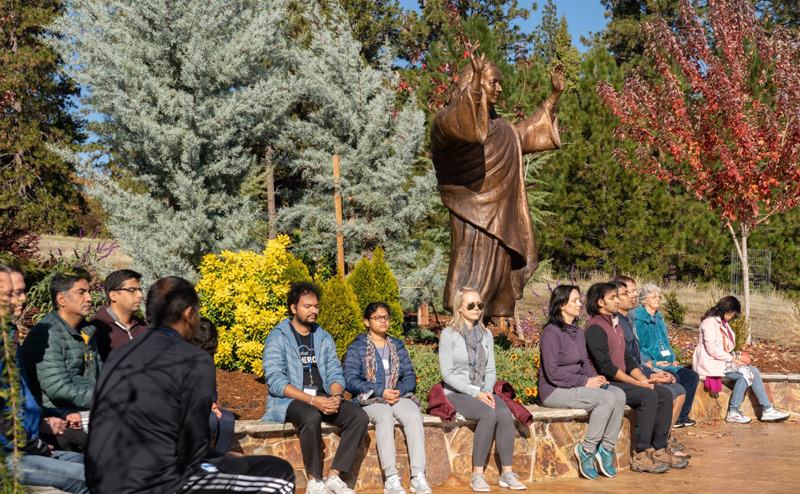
(491, 80)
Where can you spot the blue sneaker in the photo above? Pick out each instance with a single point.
(605, 461)
(585, 462)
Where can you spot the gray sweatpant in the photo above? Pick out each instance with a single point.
(489, 419)
(607, 406)
(407, 413)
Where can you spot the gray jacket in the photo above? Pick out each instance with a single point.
(454, 363)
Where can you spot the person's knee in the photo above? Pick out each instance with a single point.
(755, 371)
(381, 414)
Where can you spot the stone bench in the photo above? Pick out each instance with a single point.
(542, 450)
(783, 389)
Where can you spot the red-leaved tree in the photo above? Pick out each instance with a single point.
(720, 115)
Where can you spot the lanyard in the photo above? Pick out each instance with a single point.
(309, 350)
(475, 353)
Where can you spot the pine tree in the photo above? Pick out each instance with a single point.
(339, 314)
(351, 109)
(187, 88)
(373, 281)
(38, 189)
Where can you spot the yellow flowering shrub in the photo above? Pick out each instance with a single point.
(244, 294)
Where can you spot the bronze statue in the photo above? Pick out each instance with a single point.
(477, 156)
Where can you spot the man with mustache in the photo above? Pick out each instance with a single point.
(117, 322)
(59, 355)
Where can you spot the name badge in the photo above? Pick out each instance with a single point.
(385, 365)
(665, 353)
(310, 390)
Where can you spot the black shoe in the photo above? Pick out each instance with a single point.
(688, 422)
(679, 424)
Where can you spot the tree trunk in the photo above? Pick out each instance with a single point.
(741, 250)
(271, 214)
(423, 315)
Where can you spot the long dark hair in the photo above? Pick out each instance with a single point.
(596, 292)
(558, 299)
(725, 305)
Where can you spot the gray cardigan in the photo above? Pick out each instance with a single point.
(454, 363)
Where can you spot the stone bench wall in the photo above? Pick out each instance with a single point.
(784, 389)
(543, 450)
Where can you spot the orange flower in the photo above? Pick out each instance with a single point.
(529, 391)
(527, 371)
(417, 378)
(513, 356)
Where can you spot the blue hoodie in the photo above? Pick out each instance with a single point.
(282, 366)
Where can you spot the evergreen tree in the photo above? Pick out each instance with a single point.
(376, 24)
(339, 314)
(186, 88)
(608, 219)
(624, 36)
(351, 109)
(373, 281)
(553, 44)
(38, 189)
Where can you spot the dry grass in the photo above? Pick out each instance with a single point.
(775, 318)
(52, 243)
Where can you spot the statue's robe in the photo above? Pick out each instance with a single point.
(478, 161)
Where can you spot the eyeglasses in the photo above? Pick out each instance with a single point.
(130, 290)
(472, 305)
(380, 318)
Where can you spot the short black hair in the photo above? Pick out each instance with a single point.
(558, 299)
(374, 306)
(207, 337)
(299, 289)
(116, 279)
(63, 282)
(168, 298)
(596, 292)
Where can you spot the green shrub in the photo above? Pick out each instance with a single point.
(674, 311)
(426, 365)
(339, 314)
(373, 281)
(741, 328)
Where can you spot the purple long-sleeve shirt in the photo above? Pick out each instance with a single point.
(564, 362)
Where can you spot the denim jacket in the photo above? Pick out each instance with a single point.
(281, 363)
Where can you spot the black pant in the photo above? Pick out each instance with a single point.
(244, 474)
(70, 440)
(222, 430)
(653, 414)
(308, 422)
(688, 379)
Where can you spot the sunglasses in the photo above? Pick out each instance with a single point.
(472, 305)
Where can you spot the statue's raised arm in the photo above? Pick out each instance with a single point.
(539, 132)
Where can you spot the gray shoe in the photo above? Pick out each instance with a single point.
(335, 485)
(509, 480)
(316, 486)
(393, 485)
(419, 485)
(479, 483)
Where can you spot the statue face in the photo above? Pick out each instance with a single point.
(490, 81)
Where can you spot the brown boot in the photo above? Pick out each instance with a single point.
(673, 461)
(643, 461)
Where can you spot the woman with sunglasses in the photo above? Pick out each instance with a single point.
(714, 357)
(466, 359)
(381, 378)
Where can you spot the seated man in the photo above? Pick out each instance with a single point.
(149, 431)
(306, 386)
(117, 323)
(59, 356)
(60, 430)
(38, 463)
(609, 356)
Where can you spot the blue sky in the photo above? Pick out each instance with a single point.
(582, 16)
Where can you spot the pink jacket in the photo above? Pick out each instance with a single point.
(714, 346)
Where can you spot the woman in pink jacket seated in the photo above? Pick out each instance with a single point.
(714, 358)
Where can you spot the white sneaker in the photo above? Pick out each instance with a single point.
(393, 485)
(420, 485)
(773, 415)
(316, 486)
(737, 417)
(335, 485)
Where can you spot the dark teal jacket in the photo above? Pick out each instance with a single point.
(61, 364)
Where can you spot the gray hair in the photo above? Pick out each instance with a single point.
(5, 269)
(647, 290)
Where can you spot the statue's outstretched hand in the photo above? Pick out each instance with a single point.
(557, 78)
(477, 65)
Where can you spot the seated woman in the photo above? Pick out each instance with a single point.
(221, 422)
(379, 374)
(715, 357)
(466, 359)
(567, 380)
(654, 342)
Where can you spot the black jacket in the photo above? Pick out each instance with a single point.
(149, 423)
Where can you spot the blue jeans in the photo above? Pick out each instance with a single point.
(740, 388)
(63, 470)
